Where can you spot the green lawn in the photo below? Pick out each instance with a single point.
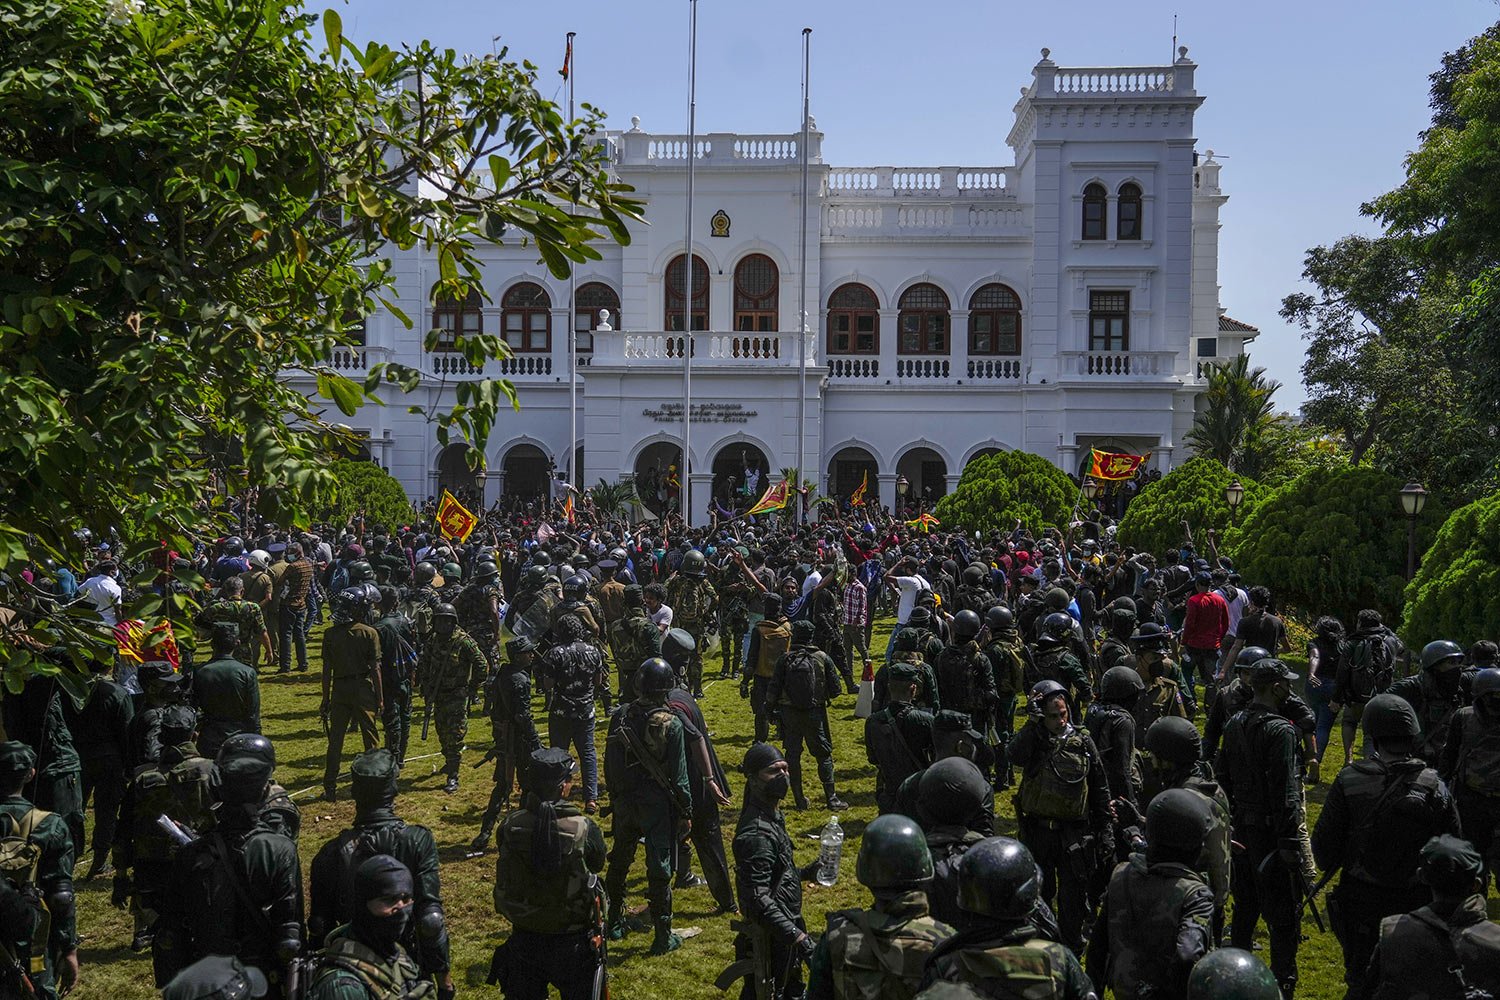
(290, 713)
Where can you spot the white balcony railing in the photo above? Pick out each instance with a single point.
(776, 350)
(920, 182)
(1116, 364)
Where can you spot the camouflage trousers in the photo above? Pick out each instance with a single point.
(450, 714)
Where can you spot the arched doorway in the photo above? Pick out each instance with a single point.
(850, 467)
(658, 476)
(926, 475)
(526, 469)
(455, 476)
(741, 473)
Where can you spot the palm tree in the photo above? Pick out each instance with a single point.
(611, 500)
(1239, 409)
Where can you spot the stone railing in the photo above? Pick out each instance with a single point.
(994, 369)
(349, 359)
(919, 182)
(1116, 364)
(854, 367)
(1054, 81)
(859, 219)
(447, 363)
(526, 364)
(714, 149)
(709, 348)
(922, 368)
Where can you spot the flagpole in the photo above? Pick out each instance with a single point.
(572, 313)
(802, 291)
(685, 486)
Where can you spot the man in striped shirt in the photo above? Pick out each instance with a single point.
(295, 583)
(856, 619)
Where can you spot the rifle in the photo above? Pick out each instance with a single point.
(757, 967)
(1309, 899)
(652, 766)
(598, 939)
(1308, 889)
(489, 755)
(426, 717)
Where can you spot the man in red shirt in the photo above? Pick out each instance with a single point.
(1203, 630)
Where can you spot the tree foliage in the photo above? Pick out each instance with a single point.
(1456, 592)
(1333, 541)
(995, 490)
(195, 199)
(1192, 492)
(1239, 410)
(362, 489)
(612, 500)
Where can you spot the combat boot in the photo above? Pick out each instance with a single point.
(831, 797)
(665, 940)
(451, 785)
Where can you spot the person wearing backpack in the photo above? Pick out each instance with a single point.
(1008, 655)
(1471, 766)
(352, 691)
(378, 830)
(36, 862)
(769, 640)
(398, 659)
(176, 786)
(1378, 815)
(1367, 666)
(364, 959)
(803, 684)
(898, 738)
(1062, 805)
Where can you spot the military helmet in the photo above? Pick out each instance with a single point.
(360, 571)
(997, 877)
(951, 791)
(234, 545)
(541, 558)
(1121, 605)
(803, 632)
(1250, 656)
(655, 676)
(424, 573)
(1179, 820)
(619, 556)
(575, 587)
(444, 611)
(999, 619)
(579, 562)
(485, 570)
(1119, 683)
(249, 752)
(966, 625)
(1389, 717)
(678, 646)
(1056, 599)
(893, 854)
(534, 577)
(693, 563)
(973, 575)
(1486, 681)
(1058, 625)
(1232, 974)
(452, 572)
(1175, 741)
(1042, 690)
(1151, 634)
(1439, 651)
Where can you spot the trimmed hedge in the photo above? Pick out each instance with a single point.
(363, 488)
(1192, 492)
(996, 489)
(1456, 592)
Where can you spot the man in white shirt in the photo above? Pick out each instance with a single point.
(654, 598)
(909, 586)
(103, 590)
(811, 581)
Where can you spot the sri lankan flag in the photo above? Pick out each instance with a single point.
(568, 508)
(857, 498)
(455, 520)
(1110, 465)
(926, 522)
(775, 498)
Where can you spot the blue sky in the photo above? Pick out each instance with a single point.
(1311, 106)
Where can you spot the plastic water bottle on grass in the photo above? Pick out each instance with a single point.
(832, 850)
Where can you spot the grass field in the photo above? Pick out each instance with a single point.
(291, 720)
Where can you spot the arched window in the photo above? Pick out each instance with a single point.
(924, 320)
(676, 292)
(756, 285)
(587, 303)
(995, 321)
(453, 319)
(853, 320)
(1094, 200)
(526, 318)
(1128, 213)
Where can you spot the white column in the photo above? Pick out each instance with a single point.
(887, 482)
(703, 485)
(958, 343)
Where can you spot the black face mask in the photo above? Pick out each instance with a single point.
(775, 789)
(382, 933)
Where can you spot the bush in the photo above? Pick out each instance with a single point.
(363, 488)
(1332, 541)
(996, 489)
(1456, 593)
(1192, 492)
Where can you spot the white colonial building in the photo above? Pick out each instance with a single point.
(1066, 301)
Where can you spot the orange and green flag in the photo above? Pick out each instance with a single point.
(857, 498)
(1110, 465)
(775, 498)
(455, 520)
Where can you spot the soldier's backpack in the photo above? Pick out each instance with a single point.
(1058, 788)
(1013, 972)
(802, 683)
(1479, 770)
(355, 848)
(20, 857)
(775, 640)
(875, 956)
(181, 793)
(1372, 665)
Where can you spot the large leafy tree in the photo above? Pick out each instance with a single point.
(196, 196)
(1191, 494)
(996, 490)
(1239, 411)
(1456, 592)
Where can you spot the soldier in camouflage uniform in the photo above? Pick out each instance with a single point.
(478, 607)
(514, 732)
(1119, 626)
(420, 599)
(246, 615)
(880, 952)
(450, 667)
(734, 618)
(1008, 657)
(694, 603)
(633, 640)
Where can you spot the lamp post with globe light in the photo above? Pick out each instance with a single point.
(1413, 499)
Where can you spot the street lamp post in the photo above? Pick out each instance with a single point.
(1413, 499)
(1233, 494)
(1090, 489)
(901, 487)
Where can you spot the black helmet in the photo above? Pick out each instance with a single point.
(1120, 683)
(485, 571)
(579, 562)
(1487, 681)
(1151, 634)
(951, 791)
(360, 571)
(655, 676)
(234, 545)
(245, 764)
(966, 625)
(1175, 741)
(803, 632)
(997, 877)
(677, 647)
(541, 559)
(534, 577)
(1178, 820)
(893, 854)
(1046, 689)
(1389, 717)
(973, 575)
(619, 557)
(444, 611)
(1232, 974)
(424, 573)
(247, 746)
(575, 587)
(1250, 656)
(693, 563)
(351, 604)
(999, 619)
(1058, 625)
(1439, 651)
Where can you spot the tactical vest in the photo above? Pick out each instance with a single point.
(1478, 756)
(1144, 914)
(775, 640)
(1420, 955)
(955, 676)
(1057, 788)
(20, 858)
(1384, 844)
(180, 793)
(544, 902)
(1009, 666)
(875, 956)
(1031, 970)
(395, 979)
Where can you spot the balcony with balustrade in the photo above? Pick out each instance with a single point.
(864, 203)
